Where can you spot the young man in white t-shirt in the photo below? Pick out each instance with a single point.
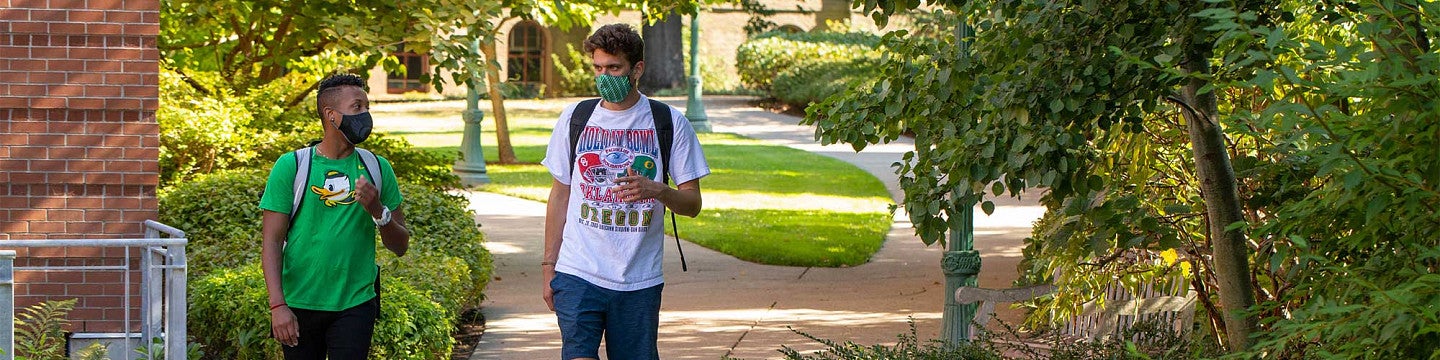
(604, 236)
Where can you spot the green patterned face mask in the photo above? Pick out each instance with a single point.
(612, 88)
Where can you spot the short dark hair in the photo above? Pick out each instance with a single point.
(617, 39)
(324, 95)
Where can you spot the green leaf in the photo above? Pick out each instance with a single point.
(988, 207)
(1177, 209)
(1236, 226)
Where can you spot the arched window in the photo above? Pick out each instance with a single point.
(527, 48)
(415, 66)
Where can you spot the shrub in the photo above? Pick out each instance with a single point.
(220, 215)
(762, 58)
(811, 81)
(40, 330)
(205, 133)
(231, 305)
(447, 279)
(576, 79)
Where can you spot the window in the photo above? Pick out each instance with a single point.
(415, 67)
(527, 48)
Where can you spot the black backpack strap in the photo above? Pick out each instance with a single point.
(578, 119)
(665, 129)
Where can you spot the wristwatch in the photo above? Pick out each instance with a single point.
(384, 217)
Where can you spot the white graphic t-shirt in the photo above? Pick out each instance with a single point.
(611, 243)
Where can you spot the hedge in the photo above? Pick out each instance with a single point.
(232, 320)
(762, 59)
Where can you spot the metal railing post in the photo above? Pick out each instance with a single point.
(176, 302)
(7, 304)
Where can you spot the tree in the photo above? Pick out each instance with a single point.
(248, 44)
(664, 55)
(1100, 103)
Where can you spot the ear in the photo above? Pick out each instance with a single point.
(639, 69)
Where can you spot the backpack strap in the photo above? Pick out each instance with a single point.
(302, 177)
(665, 129)
(372, 166)
(578, 119)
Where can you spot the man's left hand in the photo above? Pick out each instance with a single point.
(369, 197)
(635, 187)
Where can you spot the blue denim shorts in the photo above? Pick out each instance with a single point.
(628, 320)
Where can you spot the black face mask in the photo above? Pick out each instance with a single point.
(356, 128)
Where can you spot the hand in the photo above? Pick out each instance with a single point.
(369, 197)
(284, 327)
(549, 274)
(634, 187)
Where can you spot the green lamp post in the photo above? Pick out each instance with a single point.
(471, 166)
(694, 108)
(961, 263)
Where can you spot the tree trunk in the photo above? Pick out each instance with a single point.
(1222, 201)
(506, 153)
(664, 55)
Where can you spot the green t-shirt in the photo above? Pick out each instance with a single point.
(329, 256)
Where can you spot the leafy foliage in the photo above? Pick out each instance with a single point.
(908, 347)
(762, 58)
(1321, 106)
(40, 330)
(231, 302)
(442, 224)
(576, 78)
(220, 214)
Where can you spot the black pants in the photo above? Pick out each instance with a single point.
(342, 334)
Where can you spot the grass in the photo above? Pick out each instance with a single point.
(763, 203)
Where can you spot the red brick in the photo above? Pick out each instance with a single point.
(47, 15)
(85, 203)
(85, 165)
(142, 153)
(29, 126)
(141, 129)
(141, 91)
(114, 142)
(151, 17)
(142, 67)
(25, 64)
(13, 102)
(121, 228)
(47, 226)
(85, 78)
(83, 139)
(86, 16)
(23, 215)
(8, 165)
(142, 179)
(50, 52)
(47, 289)
(105, 302)
(64, 215)
(65, 65)
(67, 4)
(87, 103)
(103, 66)
(47, 103)
(21, 27)
(15, 227)
(105, 128)
(67, 28)
(150, 141)
(123, 54)
(142, 29)
(123, 203)
(27, 178)
(114, 103)
(122, 16)
(47, 77)
(82, 227)
(66, 91)
(67, 152)
(47, 165)
(65, 178)
(150, 105)
(107, 29)
(87, 53)
(28, 90)
(102, 215)
(142, 5)
(104, 91)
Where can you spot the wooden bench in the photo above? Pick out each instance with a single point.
(1122, 310)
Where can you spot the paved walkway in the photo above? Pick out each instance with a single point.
(724, 306)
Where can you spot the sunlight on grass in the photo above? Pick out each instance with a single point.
(763, 203)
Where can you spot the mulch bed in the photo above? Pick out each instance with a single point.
(467, 334)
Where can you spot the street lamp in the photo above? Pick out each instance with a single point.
(694, 108)
(961, 263)
(471, 166)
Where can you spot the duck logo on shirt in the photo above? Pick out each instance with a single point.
(336, 190)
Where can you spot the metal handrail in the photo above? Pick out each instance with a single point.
(169, 316)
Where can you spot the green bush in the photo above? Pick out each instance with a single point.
(447, 279)
(205, 133)
(762, 58)
(577, 78)
(231, 306)
(220, 215)
(811, 81)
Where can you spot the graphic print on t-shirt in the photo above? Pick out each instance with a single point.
(336, 190)
(603, 156)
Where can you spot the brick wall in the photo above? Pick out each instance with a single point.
(79, 145)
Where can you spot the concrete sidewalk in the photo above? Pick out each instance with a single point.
(728, 307)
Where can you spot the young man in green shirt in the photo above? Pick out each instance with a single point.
(319, 262)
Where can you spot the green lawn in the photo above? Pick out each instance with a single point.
(763, 203)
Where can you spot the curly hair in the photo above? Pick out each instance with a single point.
(324, 96)
(617, 39)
